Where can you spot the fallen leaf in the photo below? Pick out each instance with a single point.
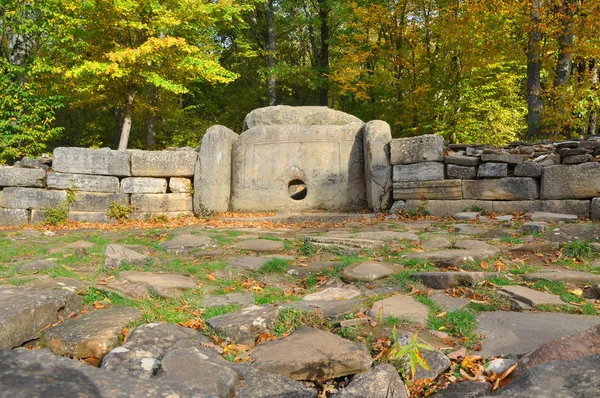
(99, 306)
(196, 324)
(484, 265)
(577, 292)
(441, 314)
(211, 277)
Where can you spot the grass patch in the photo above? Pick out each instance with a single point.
(219, 310)
(416, 264)
(511, 240)
(93, 295)
(500, 281)
(275, 266)
(290, 319)
(578, 249)
(559, 289)
(271, 295)
(394, 320)
(459, 323)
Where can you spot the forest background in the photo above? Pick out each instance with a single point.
(157, 73)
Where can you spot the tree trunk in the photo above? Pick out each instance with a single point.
(564, 64)
(127, 117)
(151, 118)
(324, 53)
(271, 48)
(534, 66)
(592, 125)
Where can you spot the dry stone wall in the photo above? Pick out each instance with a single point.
(306, 158)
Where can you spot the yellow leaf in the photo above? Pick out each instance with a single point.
(484, 265)
(211, 277)
(577, 292)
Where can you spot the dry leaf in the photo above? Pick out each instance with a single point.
(196, 324)
(211, 277)
(484, 265)
(99, 306)
(577, 292)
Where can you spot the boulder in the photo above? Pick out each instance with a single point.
(425, 171)
(212, 178)
(424, 148)
(163, 163)
(511, 188)
(297, 115)
(18, 177)
(580, 181)
(143, 185)
(91, 161)
(311, 354)
(378, 172)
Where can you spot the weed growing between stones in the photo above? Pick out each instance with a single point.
(118, 212)
(461, 323)
(578, 249)
(275, 266)
(511, 240)
(272, 295)
(290, 319)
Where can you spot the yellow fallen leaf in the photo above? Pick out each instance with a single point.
(484, 265)
(211, 277)
(441, 314)
(577, 292)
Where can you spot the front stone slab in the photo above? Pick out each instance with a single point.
(163, 163)
(422, 190)
(18, 177)
(168, 202)
(378, 172)
(82, 182)
(580, 181)
(296, 168)
(91, 161)
(511, 188)
(32, 198)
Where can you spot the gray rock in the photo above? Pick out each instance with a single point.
(424, 148)
(530, 297)
(425, 171)
(473, 245)
(452, 258)
(402, 307)
(35, 266)
(91, 335)
(576, 159)
(449, 303)
(297, 115)
(332, 309)
(186, 243)
(89, 202)
(594, 209)
(528, 169)
(180, 185)
(311, 354)
(162, 284)
(116, 255)
(521, 332)
(501, 158)
(91, 161)
(143, 185)
(575, 378)
(420, 190)
(444, 280)
(168, 202)
(163, 163)
(511, 188)
(312, 268)
(398, 206)
(295, 168)
(465, 389)
(30, 163)
(539, 216)
(347, 245)
(571, 181)
(578, 207)
(249, 263)
(192, 368)
(258, 384)
(493, 170)
(13, 217)
(245, 326)
(437, 361)
(500, 365)
(445, 208)
(568, 276)
(388, 236)
(82, 182)
(38, 373)
(367, 271)
(141, 356)
(378, 172)
(18, 177)
(382, 381)
(461, 172)
(533, 227)
(260, 245)
(459, 160)
(32, 198)
(24, 312)
(332, 293)
(466, 215)
(241, 299)
(212, 178)
(436, 243)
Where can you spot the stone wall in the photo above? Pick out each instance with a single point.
(306, 158)
(561, 177)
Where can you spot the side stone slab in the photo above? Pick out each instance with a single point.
(511, 188)
(578, 181)
(91, 161)
(377, 135)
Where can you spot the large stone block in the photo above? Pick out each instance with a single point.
(168, 202)
(595, 209)
(511, 188)
(578, 181)
(443, 189)
(32, 198)
(143, 185)
(13, 217)
(91, 161)
(501, 158)
(492, 170)
(462, 160)
(212, 179)
(424, 148)
(82, 182)
(426, 171)
(377, 135)
(180, 185)
(528, 169)
(97, 202)
(39, 216)
(573, 206)
(163, 163)
(298, 168)
(461, 172)
(446, 208)
(18, 177)
(297, 115)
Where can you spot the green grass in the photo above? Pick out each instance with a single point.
(271, 295)
(219, 310)
(524, 269)
(559, 289)
(394, 320)
(459, 323)
(416, 264)
(578, 249)
(275, 266)
(501, 281)
(290, 319)
(511, 240)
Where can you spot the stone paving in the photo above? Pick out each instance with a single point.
(248, 308)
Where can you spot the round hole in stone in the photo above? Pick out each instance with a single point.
(297, 189)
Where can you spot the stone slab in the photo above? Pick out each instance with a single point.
(553, 217)
(580, 181)
(378, 172)
(168, 202)
(297, 115)
(245, 326)
(271, 162)
(163, 163)
(456, 172)
(577, 207)
(82, 182)
(91, 161)
(401, 307)
(143, 185)
(444, 280)
(567, 276)
(492, 170)
(97, 202)
(511, 188)
(18, 177)
(212, 178)
(260, 245)
(528, 169)
(423, 190)
(452, 258)
(13, 217)
(180, 185)
(521, 332)
(460, 160)
(32, 198)
(501, 158)
(164, 285)
(531, 297)
(446, 208)
(382, 381)
(367, 271)
(424, 148)
(424, 171)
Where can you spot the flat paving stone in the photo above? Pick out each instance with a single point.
(466, 215)
(312, 268)
(452, 258)
(470, 244)
(436, 243)
(530, 297)
(24, 312)
(311, 354)
(445, 280)
(520, 332)
(35, 266)
(260, 245)
(255, 383)
(467, 229)
(186, 243)
(248, 262)
(333, 309)
(163, 284)
(540, 216)
(382, 381)
(92, 335)
(241, 299)
(367, 271)
(568, 276)
(388, 236)
(402, 307)
(449, 303)
(332, 293)
(116, 255)
(68, 284)
(246, 325)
